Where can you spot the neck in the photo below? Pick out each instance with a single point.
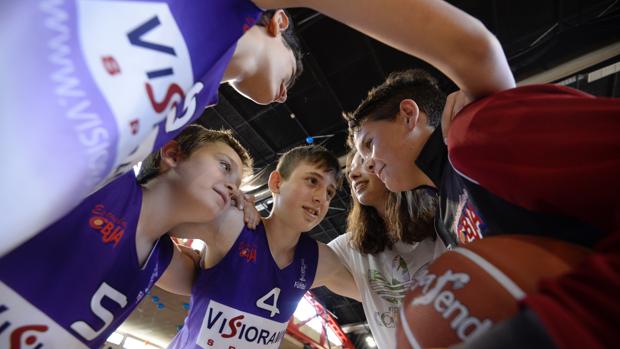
(381, 208)
(422, 136)
(282, 238)
(159, 212)
(243, 62)
(431, 157)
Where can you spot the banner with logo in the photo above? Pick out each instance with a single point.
(91, 87)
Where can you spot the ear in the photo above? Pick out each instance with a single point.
(410, 113)
(170, 156)
(278, 23)
(275, 179)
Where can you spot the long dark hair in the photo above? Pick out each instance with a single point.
(409, 218)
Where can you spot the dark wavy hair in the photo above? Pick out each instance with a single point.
(409, 218)
(383, 101)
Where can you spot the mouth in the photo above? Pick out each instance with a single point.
(360, 186)
(311, 213)
(222, 195)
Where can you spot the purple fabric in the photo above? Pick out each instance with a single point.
(245, 275)
(89, 252)
(91, 87)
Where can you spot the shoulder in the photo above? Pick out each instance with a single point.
(341, 242)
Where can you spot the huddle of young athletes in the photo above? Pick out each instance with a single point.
(86, 244)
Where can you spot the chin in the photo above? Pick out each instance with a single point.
(395, 187)
(362, 200)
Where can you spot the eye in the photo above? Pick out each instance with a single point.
(367, 145)
(226, 166)
(312, 181)
(331, 193)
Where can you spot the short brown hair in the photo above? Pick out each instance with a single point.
(191, 138)
(409, 218)
(383, 101)
(313, 155)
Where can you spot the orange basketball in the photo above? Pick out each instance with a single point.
(467, 290)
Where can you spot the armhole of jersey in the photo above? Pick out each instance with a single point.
(314, 254)
(164, 246)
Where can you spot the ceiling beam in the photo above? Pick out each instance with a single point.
(573, 66)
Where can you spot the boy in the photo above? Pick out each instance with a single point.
(519, 160)
(250, 281)
(74, 283)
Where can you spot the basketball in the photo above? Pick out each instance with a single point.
(469, 289)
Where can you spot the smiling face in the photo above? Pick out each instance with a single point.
(384, 146)
(204, 181)
(366, 186)
(302, 200)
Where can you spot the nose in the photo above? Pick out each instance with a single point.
(354, 173)
(320, 196)
(231, 188)
(369, 165)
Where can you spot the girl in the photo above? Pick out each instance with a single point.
(390, 237)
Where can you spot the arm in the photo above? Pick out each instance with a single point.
(451, 40)
(332, 274)
(219, 235)
(179, 276)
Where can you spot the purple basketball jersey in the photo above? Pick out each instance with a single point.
(100, 84)
(246, 300)
(71, 285)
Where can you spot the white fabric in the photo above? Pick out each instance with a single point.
(384, 279)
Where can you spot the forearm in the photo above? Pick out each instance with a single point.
(435, 31)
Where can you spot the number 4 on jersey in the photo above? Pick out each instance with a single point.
(273, 307)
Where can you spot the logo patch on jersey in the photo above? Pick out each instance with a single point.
(36, 330)
(301, 283)
(249, 22)
(247, 251)
(140, 62)
(467, 225)
(470, 225)
(226, 327)
(107, 224)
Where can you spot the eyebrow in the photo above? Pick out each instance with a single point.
(314, 173)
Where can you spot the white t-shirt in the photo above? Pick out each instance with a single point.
(383, 280)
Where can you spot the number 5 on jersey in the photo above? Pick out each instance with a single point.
(273, 307)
